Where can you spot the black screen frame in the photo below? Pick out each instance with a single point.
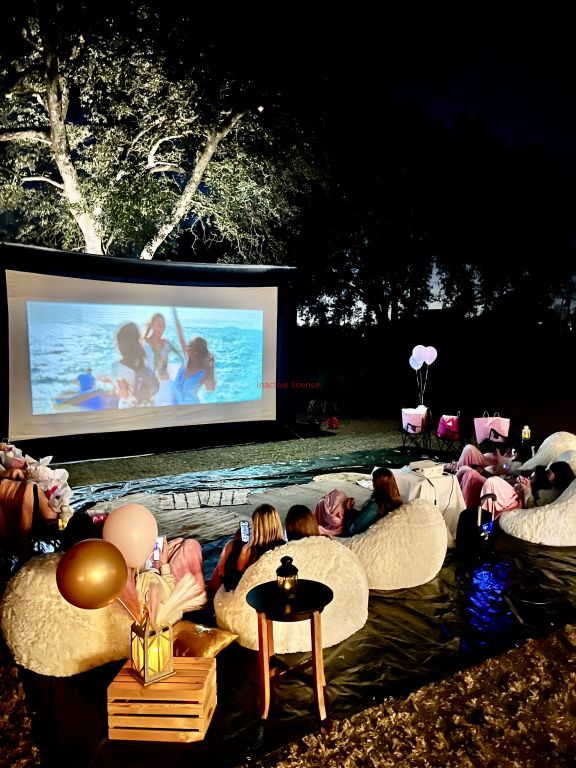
(26, 258)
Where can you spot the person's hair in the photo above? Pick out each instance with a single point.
(539, 480)
(130, 346)
(266, 531)
(385, 493)
(300, 522)
(155, 316)
(563, 474)
(201, 346)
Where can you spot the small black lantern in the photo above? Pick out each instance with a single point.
(287, 577)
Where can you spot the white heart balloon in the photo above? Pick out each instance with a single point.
(430, 354)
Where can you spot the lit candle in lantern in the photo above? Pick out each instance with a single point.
(151, 652)
(287, 577)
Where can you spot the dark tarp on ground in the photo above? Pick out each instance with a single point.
(473, 609)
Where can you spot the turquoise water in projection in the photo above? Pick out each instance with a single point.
(66, 339)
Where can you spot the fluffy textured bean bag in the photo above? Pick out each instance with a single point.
(404, 549)
(554, 524)
(318, 558)
(551, 449)
(48, 635)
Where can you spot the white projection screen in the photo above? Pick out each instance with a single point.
(72, 338)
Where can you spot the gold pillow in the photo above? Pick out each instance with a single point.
(197, 640)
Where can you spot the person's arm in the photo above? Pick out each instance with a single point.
(209, 380)
(362, 521)
(180, 334)
(244, 558)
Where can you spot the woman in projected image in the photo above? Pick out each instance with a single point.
(158, 352)
(135, 382)
(198, 371)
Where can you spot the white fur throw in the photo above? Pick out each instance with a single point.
(48, 635)
(318, 558)
(553, 524)
(404, 549)
(550, 450)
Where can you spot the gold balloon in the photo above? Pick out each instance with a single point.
(91, 574)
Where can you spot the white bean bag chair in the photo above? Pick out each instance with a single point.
(318, 558)
(404, 549)
(551, 449)
(553, 525)
(48, 635)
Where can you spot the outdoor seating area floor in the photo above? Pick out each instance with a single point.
(472, 610)
(475, 609)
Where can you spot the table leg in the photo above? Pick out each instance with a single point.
(266, 650)
(318, 664)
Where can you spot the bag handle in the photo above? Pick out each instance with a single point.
(496, 413)
(485, 414)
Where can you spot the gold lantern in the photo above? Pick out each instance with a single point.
(151, 652)
(287, 577)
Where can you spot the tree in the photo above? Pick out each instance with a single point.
(116, 138)
(368, 247)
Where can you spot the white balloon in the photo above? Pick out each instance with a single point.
(418, 353)
(430, 354)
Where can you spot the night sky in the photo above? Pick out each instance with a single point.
(517, 74)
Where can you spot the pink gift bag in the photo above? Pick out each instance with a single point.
(448, 427)
(414, 419)
(493, 428)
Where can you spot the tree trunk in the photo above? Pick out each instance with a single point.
(57, 107)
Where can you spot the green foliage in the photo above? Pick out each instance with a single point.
(142, 105)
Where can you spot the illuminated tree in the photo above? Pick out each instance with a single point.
(119, 134)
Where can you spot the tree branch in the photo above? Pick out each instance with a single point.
(184, 203)
(151, 163)
(26, 134)
(44, 178)
(160, 167)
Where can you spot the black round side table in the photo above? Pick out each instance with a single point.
(271, 605)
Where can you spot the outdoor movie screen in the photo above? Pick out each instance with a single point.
(102, 356)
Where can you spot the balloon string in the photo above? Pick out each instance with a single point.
(123, 604)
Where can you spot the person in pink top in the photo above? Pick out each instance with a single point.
(506, 496)
(471, 482)
(331, 510)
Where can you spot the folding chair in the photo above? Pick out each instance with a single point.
(448, 434)
(416, 428)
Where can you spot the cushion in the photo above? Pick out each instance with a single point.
(48, 635)
(192, 639)
(404, 549)
(550, 450)
(318, 558)
(553, 524)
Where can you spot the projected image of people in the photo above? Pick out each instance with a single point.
(90, 357)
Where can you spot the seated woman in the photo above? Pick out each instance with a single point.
(385, 498)
(544, 485)
(265, 534)
(331, 511)
(300, 523)
(24, 509)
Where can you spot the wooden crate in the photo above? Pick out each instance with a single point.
(178, 708)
